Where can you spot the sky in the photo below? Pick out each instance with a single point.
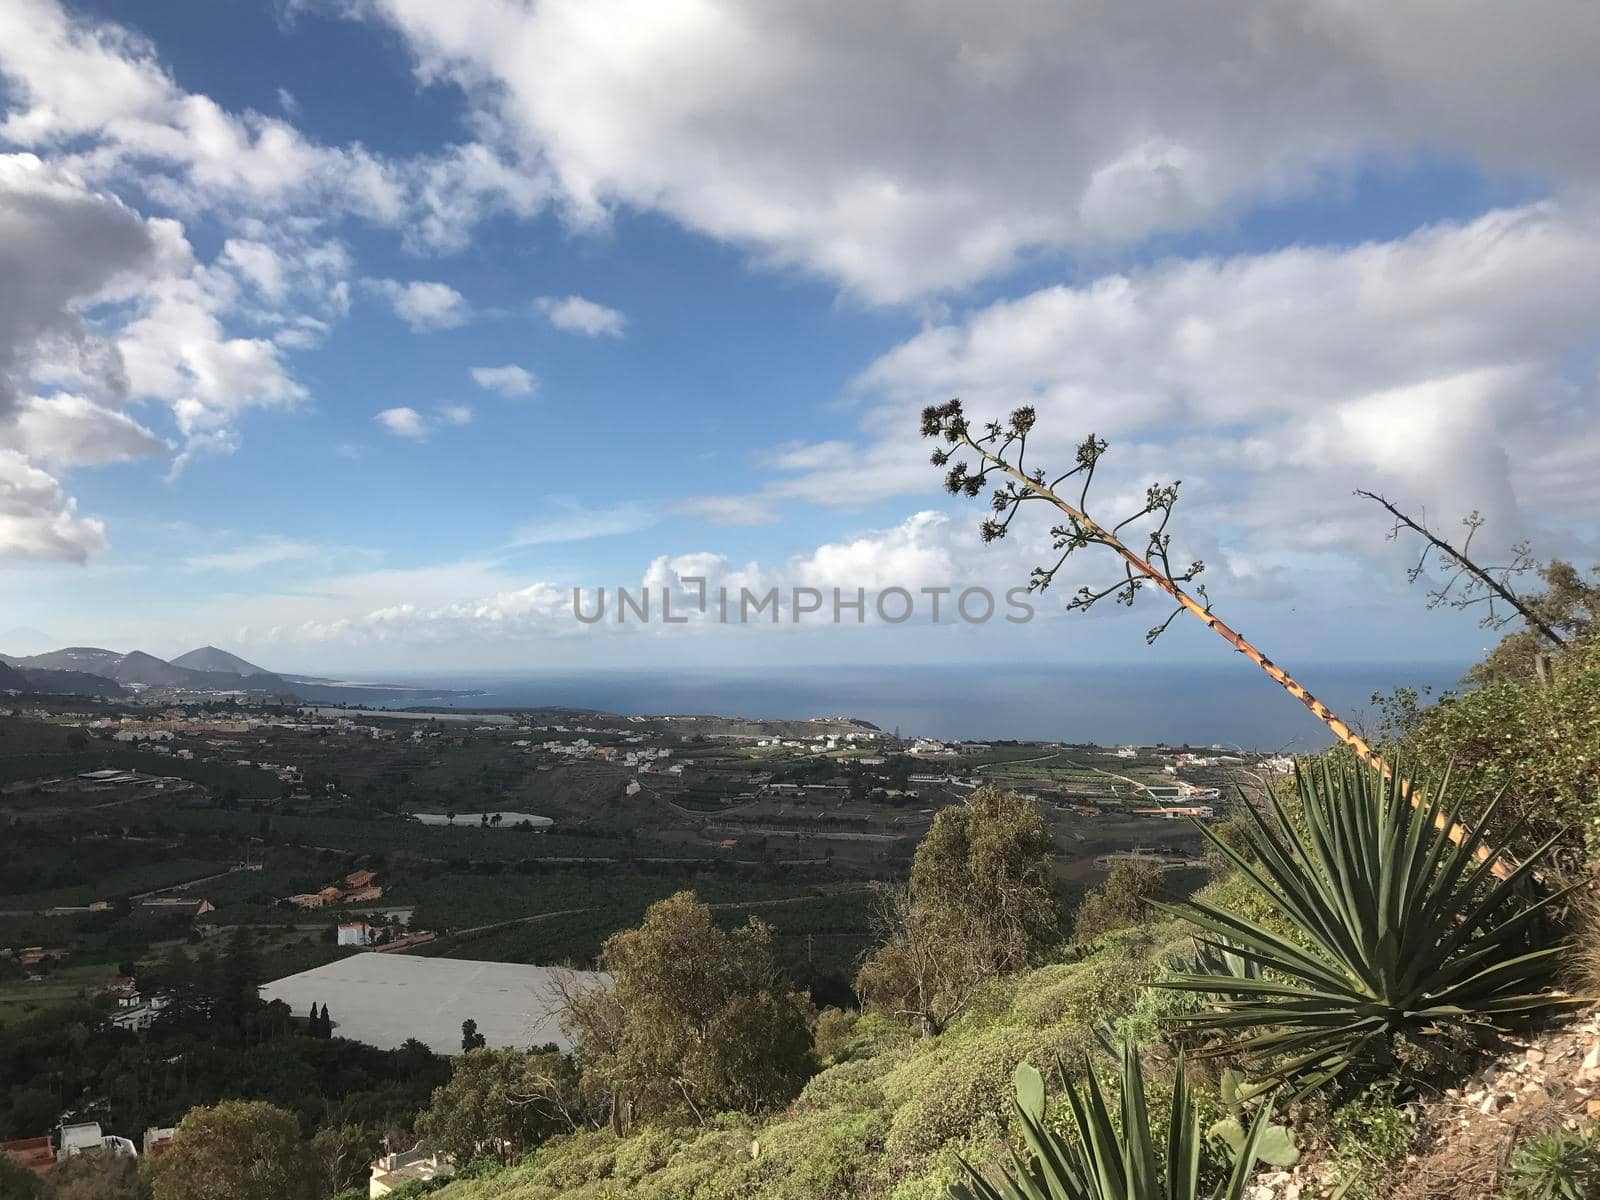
(354, 335)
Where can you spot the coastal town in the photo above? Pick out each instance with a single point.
(339, 836)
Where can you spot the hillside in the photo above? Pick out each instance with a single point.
(217, 662)
(71, 683)
(1451, 1110)
(64, 683)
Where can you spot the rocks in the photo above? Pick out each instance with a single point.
(1467, 1133)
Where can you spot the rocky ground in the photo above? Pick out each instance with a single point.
(1465, 1137)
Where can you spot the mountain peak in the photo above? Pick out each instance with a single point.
(210, 658)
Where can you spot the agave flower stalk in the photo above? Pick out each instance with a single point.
(993, 447)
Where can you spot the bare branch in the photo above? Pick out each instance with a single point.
(1484, 585)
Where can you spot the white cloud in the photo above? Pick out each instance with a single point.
(729, 510)
(403, 422)
(38, 519)
(574, 314)
(1440, 367)
(424, 305)
(902, 148)
(72, 431)
(408, 422)
(75, 79)
(508, 380)
(62, 246)
(272, 551)
(569, 521)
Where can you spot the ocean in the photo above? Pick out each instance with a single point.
(1230, 703)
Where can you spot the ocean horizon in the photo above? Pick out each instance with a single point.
(1229, 703)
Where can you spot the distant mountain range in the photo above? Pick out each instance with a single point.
(92, 671)
(139, 670)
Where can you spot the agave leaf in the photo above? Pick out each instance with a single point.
(1395, 927)
(1030, 1090)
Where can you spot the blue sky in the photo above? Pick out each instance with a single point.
(352, 335)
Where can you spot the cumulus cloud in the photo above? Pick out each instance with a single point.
(509, 380)
(424, 305)
(1439, 367)
(38, 519)
(411, 423)
(928, 550)
(902, 148)
(574, 314)
(403, 422)
(72, 431)
(62, 246)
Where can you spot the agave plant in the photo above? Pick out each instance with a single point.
(1110, 1158)
(1392, 928)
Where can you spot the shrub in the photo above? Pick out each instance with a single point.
(1539, 742)
(1402, 932)
(1372, 1138)
(965, 1086)
(1087, 993)
(1564, 1165)
(1118, 902)
(832, 1034)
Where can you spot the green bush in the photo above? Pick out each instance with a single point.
(965, 1085)
(1538, 742)
(1564, 1165)
(1372, 1138)
(1085, 993)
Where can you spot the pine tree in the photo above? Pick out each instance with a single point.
(314, 1022)
(327, 1023)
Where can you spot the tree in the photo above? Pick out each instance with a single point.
(314, 1022)
(1118, 902)
(980, 903)
(1569, 603)
(235, 1150)
(95, 1177)
(502, 1102)
(342, 1154)
(1001, 451)
(1567, 610)
(325, 1025)
(471, 1039)
(696, 1020)
(17, 1182)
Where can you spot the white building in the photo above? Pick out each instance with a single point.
(394, 1171)
(355, 933)
(80, 1139)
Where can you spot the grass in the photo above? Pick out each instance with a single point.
(63, 985)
